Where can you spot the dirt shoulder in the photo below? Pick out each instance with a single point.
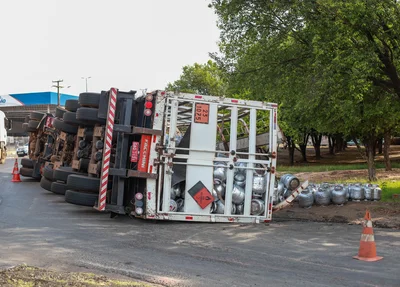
(29, 276)
(384, 214)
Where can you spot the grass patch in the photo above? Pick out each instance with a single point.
(321, 168)
(388, 189)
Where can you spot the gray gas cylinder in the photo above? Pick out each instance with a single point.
(357, 192)
(306, 198)
(258, 184)
(290, 181)
(323, 196)
(377, 193)
(338, 195)
(237, 195)
(368, 192)
(220, 171)
(257, 206)
(240, 179)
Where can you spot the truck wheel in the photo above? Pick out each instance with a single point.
(45, 183)
(72, 105)
(63, 172)
(60, 125)
(27, 129)
(25, 171)
(84, 163)
(90, 115)
(60, 112)
(37, 116)
(90, 100)
(83, 183)
(33, 124)
(59, 188)
(48, 173)
(70, 118)
(81, 197)
(26, 162)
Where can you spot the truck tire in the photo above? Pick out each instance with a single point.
(60, 112)
(84, 163)
(71, 105)
(69, 129)
(83, 183)
(45, 183)
(81, 198)
(27, 129)
(63, 172)
(26, 171)
(90, 100)
(36, 116)
(33, 124)
(26, 162)
(88, 134)
(59, 188)
(48, 173)
(70, 118)
(89, 115)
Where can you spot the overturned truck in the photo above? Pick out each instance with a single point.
(159, 156)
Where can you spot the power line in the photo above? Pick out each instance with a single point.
(58, 86)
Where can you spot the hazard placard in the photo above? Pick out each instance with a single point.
(202, 113)
(201, 195)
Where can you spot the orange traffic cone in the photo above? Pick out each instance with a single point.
(367, 251)
(16, 177)
(15, 168)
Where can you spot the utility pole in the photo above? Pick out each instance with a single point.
(86, 80)
(57, 85)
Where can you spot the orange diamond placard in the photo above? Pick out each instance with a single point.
(201, 195)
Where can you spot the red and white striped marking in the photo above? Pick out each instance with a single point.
(112, 101)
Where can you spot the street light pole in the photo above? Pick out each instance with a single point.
(86, 80)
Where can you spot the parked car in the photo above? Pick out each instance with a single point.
(23, 150)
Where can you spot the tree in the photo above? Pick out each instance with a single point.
(335, 61)
(205, 79)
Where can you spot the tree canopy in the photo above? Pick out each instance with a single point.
(206, 79)
(332, 65)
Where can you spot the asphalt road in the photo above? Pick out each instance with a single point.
(39, 228)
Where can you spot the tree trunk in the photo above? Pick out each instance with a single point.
(303, 146)
(339, 143)
(316, 139)
(331, 145)
(303, 149)
(380, 146)
(291, 148)
(386, 151)
(370, 144)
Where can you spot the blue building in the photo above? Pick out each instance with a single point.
(29, 99)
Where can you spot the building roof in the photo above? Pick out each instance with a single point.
(37, 98)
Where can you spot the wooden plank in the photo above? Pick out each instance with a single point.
(81, 132)
(93, 167)
(76, 164)
(98, 132)
(63, 136)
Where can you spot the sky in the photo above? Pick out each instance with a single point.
(127, 44)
